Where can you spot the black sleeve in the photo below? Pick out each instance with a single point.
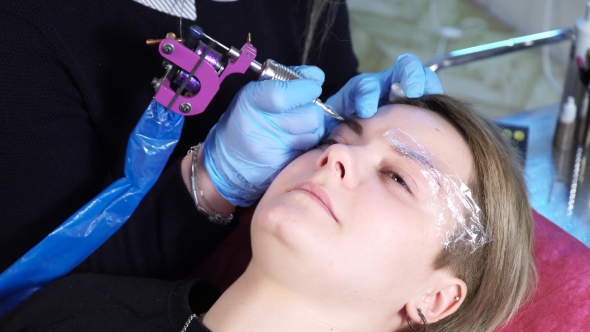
(94, 302)
(50, 158)
(166, 237)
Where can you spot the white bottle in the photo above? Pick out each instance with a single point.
(564, 133)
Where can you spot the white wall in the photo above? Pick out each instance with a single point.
(526, 17)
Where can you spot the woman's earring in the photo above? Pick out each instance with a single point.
(424, 329)
(457, 298)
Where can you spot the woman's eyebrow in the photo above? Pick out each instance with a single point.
(416, 156)
(419, 155)
(354, 126)
(420, 159)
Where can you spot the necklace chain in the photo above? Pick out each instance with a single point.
(190, 319)
(188, 322)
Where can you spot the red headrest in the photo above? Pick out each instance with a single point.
(562, 300)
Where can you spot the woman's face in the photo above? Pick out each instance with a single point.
(350, 220)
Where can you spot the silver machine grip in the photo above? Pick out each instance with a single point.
(272, 70)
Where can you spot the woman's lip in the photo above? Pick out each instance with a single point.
(318, 192)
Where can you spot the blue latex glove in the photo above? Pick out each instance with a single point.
(362, 94)
(267, 125)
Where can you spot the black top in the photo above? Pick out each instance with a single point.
(75, 80)
(94, 302)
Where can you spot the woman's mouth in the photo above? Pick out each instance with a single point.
(317, 193)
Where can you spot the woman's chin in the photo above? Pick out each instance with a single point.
(292, 227)
(293, 217)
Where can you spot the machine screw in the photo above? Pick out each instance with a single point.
(185, 107)
(156, 82)
(168, 48)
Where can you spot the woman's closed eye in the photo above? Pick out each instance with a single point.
(399, 179)
(327, 141)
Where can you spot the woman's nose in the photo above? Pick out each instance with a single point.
(339, 161)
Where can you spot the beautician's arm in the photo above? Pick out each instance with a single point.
(215, 200)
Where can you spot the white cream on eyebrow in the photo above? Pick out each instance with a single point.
(454, 196)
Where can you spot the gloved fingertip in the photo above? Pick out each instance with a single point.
(312, 73)
(433, 84)
(406, 58)
(407, 65)
(410, 74)
(414, 89)
(367, 98)
(366, 110)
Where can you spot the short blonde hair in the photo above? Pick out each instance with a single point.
(501, 275)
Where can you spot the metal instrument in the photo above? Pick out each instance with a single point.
(497, 48)
(272, 70)
(193, 76)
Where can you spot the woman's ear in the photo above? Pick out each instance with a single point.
(444, 298)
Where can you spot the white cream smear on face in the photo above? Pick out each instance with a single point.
(453, 198)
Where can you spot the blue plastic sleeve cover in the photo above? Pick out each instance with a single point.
(148, 149)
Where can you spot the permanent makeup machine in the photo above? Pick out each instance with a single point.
(195, 70)
(558, 135)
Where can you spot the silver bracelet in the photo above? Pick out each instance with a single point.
(217, 217)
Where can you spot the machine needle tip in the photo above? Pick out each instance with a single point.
(328, 109)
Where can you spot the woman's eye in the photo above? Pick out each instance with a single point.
(399, 179)
(325, 142)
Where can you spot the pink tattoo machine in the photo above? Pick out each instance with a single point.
(193, 76)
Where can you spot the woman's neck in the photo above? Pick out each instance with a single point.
(254, 303)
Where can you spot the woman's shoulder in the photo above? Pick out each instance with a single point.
(115, 303)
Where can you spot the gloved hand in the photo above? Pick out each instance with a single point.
(363, 93)
(267, 125)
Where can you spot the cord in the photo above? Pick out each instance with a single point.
(545, 50)
(467, 27)
(471, 26)
(180, 19)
